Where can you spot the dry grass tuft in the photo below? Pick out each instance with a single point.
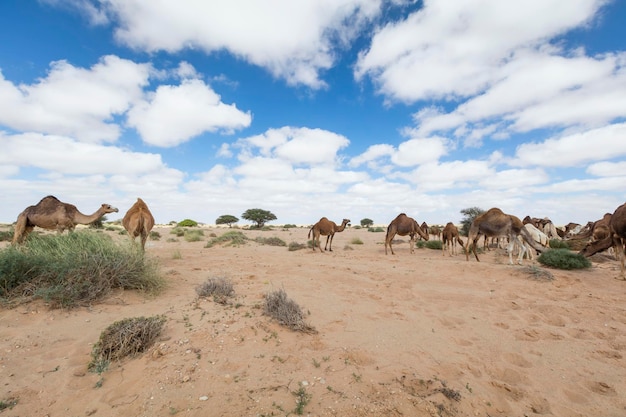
(220, 288)
(286, 311)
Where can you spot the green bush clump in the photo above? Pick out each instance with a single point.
(563, 259)
(293, 246)
(376, 229)
(6, 236)
(74, 269)
(187, 223)
(194, 235)
(270, 241)
(356, 241)
(559, 244)
(432, 244)
(232, 238)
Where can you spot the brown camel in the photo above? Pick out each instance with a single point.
(450, 236)
(495, 223)
(616, 238)
(424, 227)
(403, 225)
(50, 213)
(138, 221)
(435, 231)
(327, 228)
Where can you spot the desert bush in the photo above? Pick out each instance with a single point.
(6, 235)
(537, 273)
(194, 235)
(293, 246)
(74, 269)
(376, 229)
(420, 244)
(270, 241)
(219, 288)
(178, 231)
(286, 311)
(559, 244)
(187, 223)
(123, 338)
(289, 226)
(356, 241)
(432, 244)
(231, 238)
(154, 235)
(563, 259)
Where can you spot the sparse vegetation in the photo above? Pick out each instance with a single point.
(74, 269)
(376, 229)
(154, 235)
(563, 259)
(221, 289)
(124, 338)
(8, 403)
(293, 246)
(302, 399)
(270, 241)
(231, 238)
(194, 235)
(537, 273)
(356, 241)
(286, 311)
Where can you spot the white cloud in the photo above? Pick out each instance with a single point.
(175, 114)
(607, 169)
(73, 101)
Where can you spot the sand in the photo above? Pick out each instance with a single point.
(406, 335)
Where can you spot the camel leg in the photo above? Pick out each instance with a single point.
(144, 237)
(620, 250)
(388, 240)
(329, 237)
(412, 243)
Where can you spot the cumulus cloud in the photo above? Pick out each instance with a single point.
(72, 101)
(175, 114)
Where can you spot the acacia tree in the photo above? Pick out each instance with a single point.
(366, 222)
(259, 216)
(228, 219)
(470, 214)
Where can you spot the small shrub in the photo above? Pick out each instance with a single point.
(220, 288)
(537, 273)
(124, 338)
(356, 241)
(563, 259)
(155, 235)
(432, 244)
(270, 241)
(187, 223)
(559, 244)
(376, 229)
(8, 403)
(231, 238)
(6, 236)
(194, 235)
(286, 311)
(420, 244)
(289, 226)
(178, 231)
(293, 246)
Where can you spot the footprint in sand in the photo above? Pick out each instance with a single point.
(601, 388)
(517, 360)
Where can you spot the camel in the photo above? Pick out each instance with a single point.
(138, 221)
(435, 231)
(50, 213)
(495, 223)
(450, 236)
(616, 238)
(326, 228)
(403, 225)
(424, 227)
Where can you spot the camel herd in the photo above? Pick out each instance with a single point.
(52, 214)
(530, 235)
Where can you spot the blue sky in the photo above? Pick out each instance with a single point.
(338, 108)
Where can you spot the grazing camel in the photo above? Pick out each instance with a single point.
(435, 231)
(138, 221)
(403, 225)
(495, 223)
(424, 227)
(616, 238)
(50, 213)
(450, 236)
(326, 228)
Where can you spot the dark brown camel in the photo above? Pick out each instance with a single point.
(138, 221)
(52, 214)
(403, 225)
(495, 223)
(327, 228)
(424, 227)
(616, 238)
(450, 237)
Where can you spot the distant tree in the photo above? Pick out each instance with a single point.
(258, 216)
(228, 219)
(187, 223)
(366, 222)
(469, 215)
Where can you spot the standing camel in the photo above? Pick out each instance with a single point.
(616, 238)
(403, 225)
(50, 213)
(327, 228)
(495, 223)
(450, 236)
(138, 221)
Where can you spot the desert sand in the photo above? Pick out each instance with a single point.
(406, 335)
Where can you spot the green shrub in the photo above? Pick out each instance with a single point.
(376, 229)
(74, 269)
(178, 231)
(6, 236)
(270, 241)
(356, 241)
(563, 259)
(232, 238)
(187, 223)
(559, 244)
(194, 235)
(432, 244)
(289, 226)
(155, 235)
(293, 246)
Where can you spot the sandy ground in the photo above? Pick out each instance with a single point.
(407, 335)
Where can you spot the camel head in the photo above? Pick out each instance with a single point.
(107, 208)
